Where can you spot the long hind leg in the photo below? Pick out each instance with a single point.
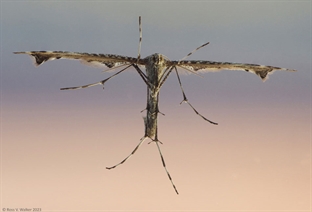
(164, 164)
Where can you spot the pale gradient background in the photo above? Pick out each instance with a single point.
(56, 144)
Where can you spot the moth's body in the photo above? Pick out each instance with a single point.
(157, 68)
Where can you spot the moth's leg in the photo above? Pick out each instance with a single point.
(143, 76)
(140, 39)
(165, 75)
(189, 54)
(163, 162)
(97, 83)
(162, 158)
(135, 149)
(186, 100)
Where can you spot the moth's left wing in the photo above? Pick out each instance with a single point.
(260, 70)
(110, 60)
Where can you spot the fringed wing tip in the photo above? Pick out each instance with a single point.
(265, 75)
(37, 59)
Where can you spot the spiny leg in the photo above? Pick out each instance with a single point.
(164, 164)
(135, 149)
(97, 83)
(139, 56)
(162, 159)
(140, 39)
(143, 76)
(165, 76)
(186, 100)
(189, 54)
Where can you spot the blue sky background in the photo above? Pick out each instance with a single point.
(57, 143)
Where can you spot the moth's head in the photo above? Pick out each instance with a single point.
(157, 59)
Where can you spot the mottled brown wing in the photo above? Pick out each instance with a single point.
(260, 70)
(109, 60)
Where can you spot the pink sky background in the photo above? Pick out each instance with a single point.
(55, 144)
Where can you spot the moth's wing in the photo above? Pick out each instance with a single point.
(202, 66)
(109, 60)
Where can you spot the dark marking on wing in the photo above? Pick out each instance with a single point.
(40, 58)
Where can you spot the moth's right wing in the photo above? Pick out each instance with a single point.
(109, 60)
(210, 66)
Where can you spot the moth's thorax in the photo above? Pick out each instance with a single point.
(155, 64)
